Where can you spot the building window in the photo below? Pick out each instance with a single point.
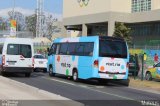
(141, 5)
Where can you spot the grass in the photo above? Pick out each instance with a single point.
(152, 85)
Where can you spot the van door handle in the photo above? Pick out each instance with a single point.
(22, 59)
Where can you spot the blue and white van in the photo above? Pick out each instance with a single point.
(95, 57)
(16, 56)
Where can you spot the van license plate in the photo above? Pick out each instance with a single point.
(111, 75)
(11, 63)
(41, 62)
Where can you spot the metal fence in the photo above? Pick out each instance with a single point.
(41, 48)
(146, 47)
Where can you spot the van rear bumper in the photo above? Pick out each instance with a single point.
(17, 69)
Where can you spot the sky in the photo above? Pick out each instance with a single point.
(51, 6)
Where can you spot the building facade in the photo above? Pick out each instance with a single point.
(98, 17)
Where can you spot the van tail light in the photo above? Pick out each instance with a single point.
(32, 62)
(127, 65)
(96, 63)
(21, 56)
(3, 60)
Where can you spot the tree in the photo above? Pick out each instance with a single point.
(122, 31)
(31, 23)
(3, 24)
(50, 26)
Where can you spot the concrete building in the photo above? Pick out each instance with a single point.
(98, 17)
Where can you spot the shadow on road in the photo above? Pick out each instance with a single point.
(93, 82)
(89, 83)
(21, 75)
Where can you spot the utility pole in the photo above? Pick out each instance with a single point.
(13, 22)
(13, 9)
(40, 18)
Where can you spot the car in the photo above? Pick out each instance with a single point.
(133, 65)
(153, 72)
(40, 63)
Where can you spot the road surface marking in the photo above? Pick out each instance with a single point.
(59, 81)
(89, 88)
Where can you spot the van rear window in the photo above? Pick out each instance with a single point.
(19, 49)
(113, 48)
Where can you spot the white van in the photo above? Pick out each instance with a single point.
(16, 56)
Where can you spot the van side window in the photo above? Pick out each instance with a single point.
(63, 49)
(71, 49)
(88, 51)
(57, 49)
(53, 49)
(84, 49)
(13, 49)
(80, 49)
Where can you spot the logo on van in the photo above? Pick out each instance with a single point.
(83, 3)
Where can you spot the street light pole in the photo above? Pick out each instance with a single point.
(13, 8)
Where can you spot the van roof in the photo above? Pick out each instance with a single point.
(17, 40)
(90, 38)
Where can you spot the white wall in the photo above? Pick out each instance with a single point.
(155, 4)
(121, 6)
(73, 33)
(71, 8)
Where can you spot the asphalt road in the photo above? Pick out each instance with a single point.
(90, 93)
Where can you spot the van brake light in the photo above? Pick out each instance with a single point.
(32, 62)
(3, 60)
(21, 56)
(96, 63)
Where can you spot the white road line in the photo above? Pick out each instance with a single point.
(59, 81)
(83, 86)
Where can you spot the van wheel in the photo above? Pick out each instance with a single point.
(75, 76)
(27, 74)
(148, 76)
(2, 73)
(51, 72)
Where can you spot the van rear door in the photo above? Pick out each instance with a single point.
(112, 58)
(19, 55)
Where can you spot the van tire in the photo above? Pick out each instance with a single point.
(75, 75)
(2, 73)
(27, 74)
(51, 71)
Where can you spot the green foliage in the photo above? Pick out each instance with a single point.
(123, 31)
(31, 23)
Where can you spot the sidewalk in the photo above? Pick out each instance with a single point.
(150, 86)
(13, 90)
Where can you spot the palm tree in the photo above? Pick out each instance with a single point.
(122, 31)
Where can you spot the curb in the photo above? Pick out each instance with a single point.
(145, 90)
(32, 89)
(39, 92)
